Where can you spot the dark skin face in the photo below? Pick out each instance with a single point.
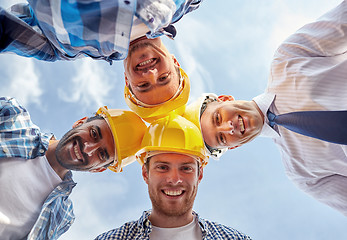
(89, 146)
(150, 71)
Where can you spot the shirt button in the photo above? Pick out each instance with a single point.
(42, 151)
(51, 233)
(5, 150)
(29, 153)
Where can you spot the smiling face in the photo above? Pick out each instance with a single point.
(151, 72)
(231, 123)
(87, 147)
(173, 181)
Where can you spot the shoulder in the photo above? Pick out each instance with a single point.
(220, 231)
(127, 231)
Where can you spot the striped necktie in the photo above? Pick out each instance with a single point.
(330, 126)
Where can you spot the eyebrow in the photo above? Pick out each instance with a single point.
(168, 162)
(99, 131)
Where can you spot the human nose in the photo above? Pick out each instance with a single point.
(227, 127)
(174, 177)
(151, 74)
(90, 148)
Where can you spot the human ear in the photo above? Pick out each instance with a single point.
(79, 122)
(145, 173)
(100, 169)
(224, 98)
(175, 61)
(201, 173)
(126, 80)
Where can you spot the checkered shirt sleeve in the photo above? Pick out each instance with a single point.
(19, 137)
(56, 214)
(68, 29)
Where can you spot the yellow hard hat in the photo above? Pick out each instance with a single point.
(193, 113)
(150, 113)
(172, 134)
(127, 130)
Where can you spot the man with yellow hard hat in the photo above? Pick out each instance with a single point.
(110, 31)
(36, 181)
(172, 157)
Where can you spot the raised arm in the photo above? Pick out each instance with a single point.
(18, 35)
(323, 38)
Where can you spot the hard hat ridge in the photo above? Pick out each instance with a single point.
(123, 124)
(172, 134)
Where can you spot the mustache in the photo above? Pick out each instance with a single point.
(137, 46)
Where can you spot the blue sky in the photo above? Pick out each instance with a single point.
(226, 47)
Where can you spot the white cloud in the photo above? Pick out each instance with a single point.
(188, 51)
(20, 79)
(92, 210)
(7, 3)
(90, 86)
(287, 24)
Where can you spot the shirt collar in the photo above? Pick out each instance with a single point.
(145, 225)
(264, 101)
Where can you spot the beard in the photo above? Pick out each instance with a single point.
(174, 209)
(63, 155)
(136, 46)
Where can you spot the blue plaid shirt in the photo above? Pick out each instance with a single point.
(68, 29)
(142, 228)
(20, 138)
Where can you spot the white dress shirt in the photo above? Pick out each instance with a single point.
(309, 72)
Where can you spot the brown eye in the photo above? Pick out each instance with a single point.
(187, 169)
(162, 168)
(143, 86)
(163, 79)
(93, 134)
(218, 119)
(102, 155)
(222, 139)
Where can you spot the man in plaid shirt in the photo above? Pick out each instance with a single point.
(67, 29)
(126, 30)
(172, 158)
(35, 179)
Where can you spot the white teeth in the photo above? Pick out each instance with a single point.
(76, 152)
(173, 192)
(242, 127)
(146, 62)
